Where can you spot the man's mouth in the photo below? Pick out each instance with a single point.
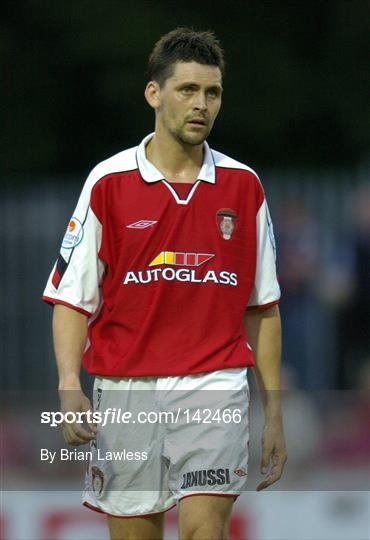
(197, 122)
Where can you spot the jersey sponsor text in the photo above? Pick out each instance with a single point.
(182, 274)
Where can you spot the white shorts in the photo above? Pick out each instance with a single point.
(167, 438)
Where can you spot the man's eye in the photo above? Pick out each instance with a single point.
(187, 90)
(212, 93)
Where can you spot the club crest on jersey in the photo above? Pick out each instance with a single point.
(73, 234)
(97, 481)
(226, 221)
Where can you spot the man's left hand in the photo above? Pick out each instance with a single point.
(274, 454)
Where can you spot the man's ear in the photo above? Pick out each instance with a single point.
(151, 93)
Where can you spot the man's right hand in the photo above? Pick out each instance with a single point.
(76, 401)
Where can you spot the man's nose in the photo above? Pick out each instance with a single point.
(200, 101)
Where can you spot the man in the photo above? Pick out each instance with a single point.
(167, 262)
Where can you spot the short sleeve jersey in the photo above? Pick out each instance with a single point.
(165, 271)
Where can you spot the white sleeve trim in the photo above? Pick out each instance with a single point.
(266, 287)
(79, 284)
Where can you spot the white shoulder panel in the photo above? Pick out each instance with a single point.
(121, 162)
(221, 160)
(266, 287)
(76, 277)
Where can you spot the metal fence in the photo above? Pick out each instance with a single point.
(33, 220)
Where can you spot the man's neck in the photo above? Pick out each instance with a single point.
(177, 162)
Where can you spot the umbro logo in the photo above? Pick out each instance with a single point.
(142, 224)
(240, 472)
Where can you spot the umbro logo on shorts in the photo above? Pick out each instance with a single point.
(206, 477)
(142, 224)
(240, 472)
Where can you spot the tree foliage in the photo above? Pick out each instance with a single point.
(296, 87)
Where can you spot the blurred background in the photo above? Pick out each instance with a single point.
(296, 108)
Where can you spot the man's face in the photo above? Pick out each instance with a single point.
(189, 101)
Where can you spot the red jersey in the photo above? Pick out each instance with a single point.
(166, 271)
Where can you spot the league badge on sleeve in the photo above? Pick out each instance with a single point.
(73, 234)
(226, 221)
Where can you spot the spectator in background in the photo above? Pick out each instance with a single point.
(353, 330)
(298, 239)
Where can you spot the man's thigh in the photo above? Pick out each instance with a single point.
(207, 449)
(205, 517)
(120, 487)
(143, 528)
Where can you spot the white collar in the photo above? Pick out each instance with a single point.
(150, 173)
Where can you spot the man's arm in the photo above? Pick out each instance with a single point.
(69, 335)
(263, 329)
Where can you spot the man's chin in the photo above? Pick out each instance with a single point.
(192, 139)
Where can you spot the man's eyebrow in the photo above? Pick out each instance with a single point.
(188, 83)
(216, 86)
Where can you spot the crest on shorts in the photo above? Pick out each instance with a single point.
(226, 221)
(97, 481)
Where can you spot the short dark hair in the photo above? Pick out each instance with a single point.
(184, 45)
